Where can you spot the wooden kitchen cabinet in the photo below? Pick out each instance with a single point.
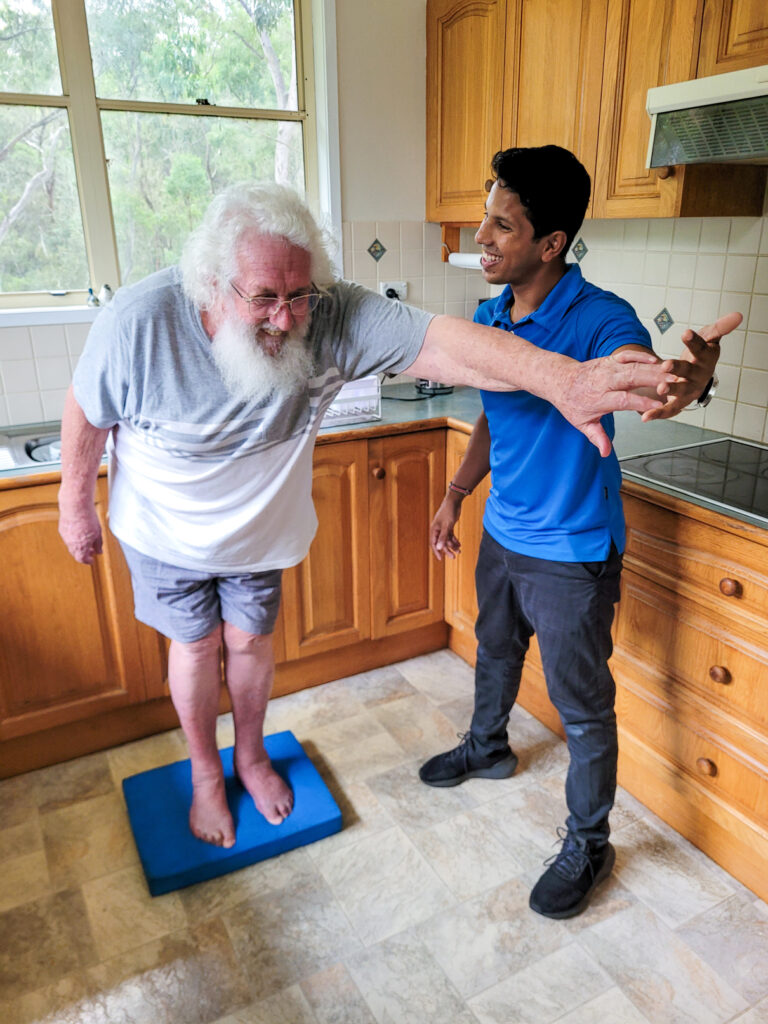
(690, 662)
(734, 35)
(650, 43)
(70, 647)
(575, 73)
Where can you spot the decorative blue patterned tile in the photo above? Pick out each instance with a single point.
(376, 249)
(663, 320)
(580, 249)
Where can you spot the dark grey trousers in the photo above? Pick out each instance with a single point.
(570, 608)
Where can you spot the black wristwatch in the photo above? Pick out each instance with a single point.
(708, 393)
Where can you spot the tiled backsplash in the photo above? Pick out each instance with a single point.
(688, 271)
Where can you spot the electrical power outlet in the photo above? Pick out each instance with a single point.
(394, 289)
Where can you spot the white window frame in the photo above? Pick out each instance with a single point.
(315, 28)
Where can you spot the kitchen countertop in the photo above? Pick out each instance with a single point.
(402, 407)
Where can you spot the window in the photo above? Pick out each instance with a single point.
(119, 119)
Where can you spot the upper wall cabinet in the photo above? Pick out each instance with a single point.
(465, 82)
(650, 43)
(506, 73)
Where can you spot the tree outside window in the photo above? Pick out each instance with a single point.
(163, 104)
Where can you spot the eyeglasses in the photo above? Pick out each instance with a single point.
(268, 305)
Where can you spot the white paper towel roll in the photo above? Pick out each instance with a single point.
(468, 260)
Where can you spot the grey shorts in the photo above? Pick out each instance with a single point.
(187, 605)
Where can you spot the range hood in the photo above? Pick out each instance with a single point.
(714, 120)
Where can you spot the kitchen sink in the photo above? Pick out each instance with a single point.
(20, 449)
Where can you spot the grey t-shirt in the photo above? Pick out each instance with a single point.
(197, 478)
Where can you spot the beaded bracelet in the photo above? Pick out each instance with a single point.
(466, 491)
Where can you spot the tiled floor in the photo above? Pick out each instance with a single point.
(415, 913)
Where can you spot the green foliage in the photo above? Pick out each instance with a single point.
(163, 169)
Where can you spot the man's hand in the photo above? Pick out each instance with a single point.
(588, 391)
(442, 539)
(81, 532)
(695, 367)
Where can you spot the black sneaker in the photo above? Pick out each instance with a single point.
(461, 763)
(565, 888)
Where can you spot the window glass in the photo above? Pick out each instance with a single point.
(28, 59)
(237, 53)
(41, 230)
(164, 169)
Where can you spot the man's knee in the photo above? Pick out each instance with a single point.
(238, 641)
(199, 650)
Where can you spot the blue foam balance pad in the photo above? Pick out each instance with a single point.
(158, 804)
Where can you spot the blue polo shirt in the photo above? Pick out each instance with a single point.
(552, 495)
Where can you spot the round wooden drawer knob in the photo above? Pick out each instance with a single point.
(379, 473)
(706, 767)
(720, 674)
(729, 587)
(489, 184)
(665, 172)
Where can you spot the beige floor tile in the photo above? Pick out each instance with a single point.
(418, 726)
(757, 1015)
(413, 805)
(384, 885)
(659, 867)
(24, 878)
(22, 839)
(88, 839)
(42, 942)
(143, 755)
(355, 762)
(191, 976)
(361, 813)
(18, 800)
(402, 984)
(442, 676)
(484, 940)
(286, 1007)
(468, 852)
(313, 707)
(381, 686)
(123, 915)
(335, 998)
(64, 784)
(356, 729)
(733, 939)
(612, 1006)
(59, 1003)
(282, 937)
(544, 991)
(212, 898)
(662, 976)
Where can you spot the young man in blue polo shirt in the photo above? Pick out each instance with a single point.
(550, 557)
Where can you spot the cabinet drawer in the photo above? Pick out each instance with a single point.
(700, 561)
(675, 648)
(696, 753)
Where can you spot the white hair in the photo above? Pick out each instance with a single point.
(209, 256)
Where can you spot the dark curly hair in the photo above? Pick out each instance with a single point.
(552, 185)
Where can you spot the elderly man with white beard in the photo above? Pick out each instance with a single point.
(208, 383)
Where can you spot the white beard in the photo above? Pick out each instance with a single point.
(252, 375)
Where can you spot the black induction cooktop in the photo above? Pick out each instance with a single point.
(731, 474)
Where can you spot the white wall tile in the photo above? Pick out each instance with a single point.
(735, 302)
(753, 386)
(54, 373)
(388, 267)
(756, 351)
(660, 234)
(745, 234)
(729, 381)
(412, 263)
(705, 307)
(635, 234)
(49, 340)
(25, 408)
(388, 233)
(455, 285)
(76, 335)
(719, 415)
(655, 268)
(739, 273)
(434, 289)
(363, 233)
(732, 349)
(714, 234)
(682, 269)
(749, 422)
(53, 403)
(15, 343)
(685, 236)
(5, 419)
(761, 276)
(19, 376)
(710, 267)
(758, 314)
(678, 302)
(411, 235)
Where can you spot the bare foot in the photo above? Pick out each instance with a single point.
(209, 816)
(272, 796)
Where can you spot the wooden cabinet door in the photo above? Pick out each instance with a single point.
(70, 647)
(554, 67)
(734, 35)
(465, 83)
(326, 602)
(647, 43)
(407, 483)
